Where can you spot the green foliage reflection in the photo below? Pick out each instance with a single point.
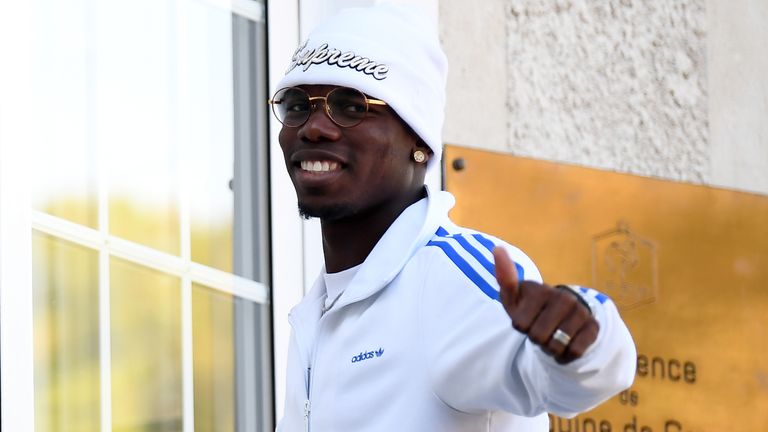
(66, 329)
(145, 331)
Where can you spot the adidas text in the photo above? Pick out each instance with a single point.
(368, 355)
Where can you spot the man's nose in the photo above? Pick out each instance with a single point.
(319, 127)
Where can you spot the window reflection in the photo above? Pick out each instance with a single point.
(208, 132)
(214, 359)
(66, 329)
(63, 178)
(146, 349)
(137, 100)
(146, 123)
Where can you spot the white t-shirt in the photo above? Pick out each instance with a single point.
(336, 283)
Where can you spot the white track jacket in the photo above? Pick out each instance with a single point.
(419, 342)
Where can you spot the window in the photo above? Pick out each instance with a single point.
(148, 232)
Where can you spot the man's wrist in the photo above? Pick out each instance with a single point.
(575, 291)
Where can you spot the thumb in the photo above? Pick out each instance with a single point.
(506, 275)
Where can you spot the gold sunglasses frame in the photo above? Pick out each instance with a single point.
(313, 105)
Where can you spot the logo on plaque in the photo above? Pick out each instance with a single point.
(624, 266)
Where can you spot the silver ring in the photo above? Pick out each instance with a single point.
(561, 337)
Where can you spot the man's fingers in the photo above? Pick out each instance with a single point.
(551, 318)
(570, 325)
(559, 309)
(528, 306)
(582, 340)
(506, 275)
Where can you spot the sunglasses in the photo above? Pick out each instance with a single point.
(345, 106)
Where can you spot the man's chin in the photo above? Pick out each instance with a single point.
(328, 212)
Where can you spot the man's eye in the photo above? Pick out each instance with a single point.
(353, 108)
(291, 106)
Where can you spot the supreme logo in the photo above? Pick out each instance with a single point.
(306, 57)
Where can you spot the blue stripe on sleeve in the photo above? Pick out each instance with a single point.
(465, 268)
(484, 241)
(489, 245)
(475, 253)
(470, 272)
(488, 265)
(520, 272)
(600, 297)
(442, 232)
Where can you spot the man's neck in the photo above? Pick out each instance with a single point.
(348, 242)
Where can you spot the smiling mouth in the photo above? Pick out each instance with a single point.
(319, 166)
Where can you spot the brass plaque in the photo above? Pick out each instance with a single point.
(688, 266)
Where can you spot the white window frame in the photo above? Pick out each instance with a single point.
(16, 339)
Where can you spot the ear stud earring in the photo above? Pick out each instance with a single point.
(419, 156)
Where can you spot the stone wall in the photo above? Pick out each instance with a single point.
(644, 87)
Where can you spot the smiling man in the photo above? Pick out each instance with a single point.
(416, 324)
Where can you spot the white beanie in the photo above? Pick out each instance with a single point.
(389, 52)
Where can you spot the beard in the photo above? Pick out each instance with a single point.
(331, 212)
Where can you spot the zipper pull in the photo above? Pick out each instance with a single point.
(307, 403)
(307, 408)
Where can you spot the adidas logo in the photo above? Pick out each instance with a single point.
(368, 355)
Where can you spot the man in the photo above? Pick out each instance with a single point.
(416, 324)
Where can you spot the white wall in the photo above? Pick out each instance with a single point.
(670, 89)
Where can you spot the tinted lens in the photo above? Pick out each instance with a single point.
(346, 106)
(291, 106)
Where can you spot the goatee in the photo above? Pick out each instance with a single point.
(327, 213)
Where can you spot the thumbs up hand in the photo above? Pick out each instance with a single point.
(552, 318)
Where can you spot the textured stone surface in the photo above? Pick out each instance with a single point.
(615, 84)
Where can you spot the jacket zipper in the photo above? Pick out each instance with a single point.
(312, 355)
(307, 403)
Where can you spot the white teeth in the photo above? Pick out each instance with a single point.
(319, 166)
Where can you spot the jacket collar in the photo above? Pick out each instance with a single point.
(409, 232)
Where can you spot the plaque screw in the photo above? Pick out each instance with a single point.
(458, 164)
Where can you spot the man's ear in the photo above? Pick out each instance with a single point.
(421, 153)
(421, 145)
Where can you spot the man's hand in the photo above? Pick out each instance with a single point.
(552, 318)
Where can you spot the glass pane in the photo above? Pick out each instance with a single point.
(251, 187)
(214, 359)
(232, 362)
(63, 181)
(207, 131)
(137, 105)
(146, 349)
(66, 328)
